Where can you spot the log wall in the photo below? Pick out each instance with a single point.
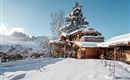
(90, 53)
(128, 43)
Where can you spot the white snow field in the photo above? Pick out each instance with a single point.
(62, 69)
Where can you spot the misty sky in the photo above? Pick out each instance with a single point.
(110, 17)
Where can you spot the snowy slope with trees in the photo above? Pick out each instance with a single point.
(22, 40)
(63, 69)
(20, 46)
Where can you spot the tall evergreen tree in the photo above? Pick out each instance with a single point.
(75, 20)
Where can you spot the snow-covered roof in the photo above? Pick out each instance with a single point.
(78, 30)
(64, 34)
(68, 28)
(82, 30)
(56, 41)
(121, 39)
(89, 31)
(88, 44)
(93, 36)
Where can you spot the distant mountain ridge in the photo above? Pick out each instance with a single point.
(22, 41)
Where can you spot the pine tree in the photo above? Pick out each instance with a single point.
(75, 20)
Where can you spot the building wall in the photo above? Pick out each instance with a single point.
(90, 53)
(128, 57)
(129, 44)
(122, 54)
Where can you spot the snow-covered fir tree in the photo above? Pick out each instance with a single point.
(75, 20)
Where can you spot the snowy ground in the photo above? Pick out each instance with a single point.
(62, 69)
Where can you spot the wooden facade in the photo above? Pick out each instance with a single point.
(127, 57)
(61, 48)
(85, 36)
(121, 53)
(90, 53)
(120, 47)
(128, 43)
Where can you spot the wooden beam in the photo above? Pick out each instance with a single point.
(114, 53)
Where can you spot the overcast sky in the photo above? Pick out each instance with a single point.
(110, 17)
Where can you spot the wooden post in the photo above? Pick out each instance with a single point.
(64, 51)
(121, 53)
(114, 53)
(79, 54)
(53, 50)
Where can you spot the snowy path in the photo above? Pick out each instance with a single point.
(64, 69)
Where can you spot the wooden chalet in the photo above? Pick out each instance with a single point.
(116, 48)
(85, 43)
(75, 34)
(80, 41)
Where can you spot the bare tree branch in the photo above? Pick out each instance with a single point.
(57, 23)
